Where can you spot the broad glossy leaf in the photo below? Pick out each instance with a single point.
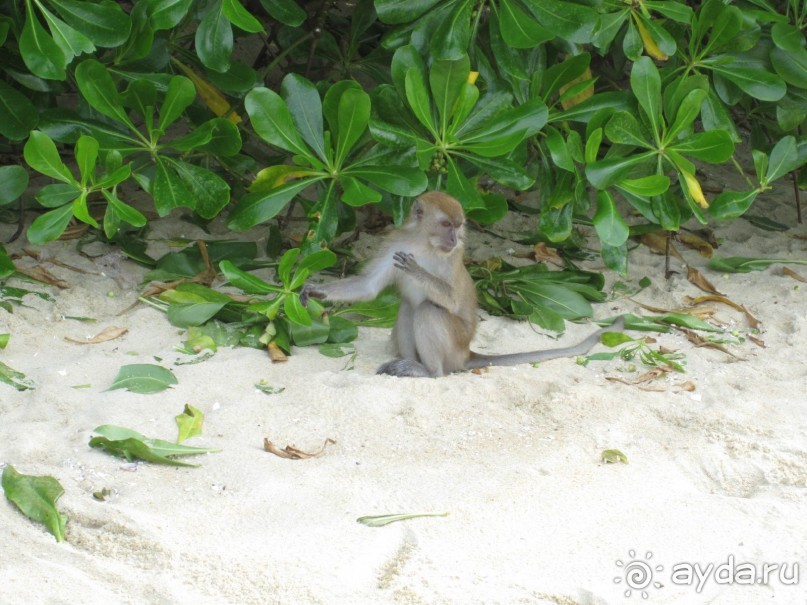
(143, 378)
(624, 128)
(563, 301)
(57, 194)
(40, 154)
(217, 135)
(452, 36)
(209, 192)
(36, 497)
(755, 82)
(495, 209)
(256, 208)
(241, 17)
(19, 115)
(168, 189)
(518, 29)
(189, 423)
(305, 107)
(39, 51)
(68, 39)
(285, 11)
(731, 204)
(330, 104)
(784, 158)
(104, 23)
(214, 39)
(115, 177)
(688, 110)
(609, 224)
(791, 65)
(714, 146)
(645, 83)
(524, 121)
(558, 150)
(507, 172)
(86, 156)
(615, 257)
(272, 121)
(49, 226)
(13, 181)
(724, 29)
(124, 211)
(787, 36)
(654, 184)
(418, 98)
(556, 222)
(571, 21)
(245, 281)
(563, 73)
(715, 116)
(295, 311)
(446, 79)
(353, 115)
(397, 180)
(166, 14)
(317, 261)
(195, 313)
(604, 173)
(314, 334)
(463, 190)
(99, 90)
(406, 58)
(402, 11)
(180, 95)
(355, 193)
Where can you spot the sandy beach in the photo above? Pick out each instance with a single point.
(717, 471)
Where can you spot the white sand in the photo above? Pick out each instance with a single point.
(513, 455)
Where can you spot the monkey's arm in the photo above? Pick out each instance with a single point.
(482, 361)
(437, 290)
(367, 286)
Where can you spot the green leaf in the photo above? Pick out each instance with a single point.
(39, 51)
(352, 118)
(558, 150)
(124, 211)
(19, 115)
(623, 128)
(755, 82)
(744, 264)
(99, 90)
(355, 193)
(787, 37)
(573, 22)
(654, 184)
(143, 378)
(418, 98)
(615, 257)
(563, 301)
(688, 110)
(285, 11)
(382, 520)
(209, 193)
(305, 108)
(731, 204)
(166, 14)
(446, 79)
(49, 226)
(645, 83)
(168, 189)
(518, 29)
(13, 182)
(13, 378)
(41, 154)
(295, 311)
(104, 23)
(523, 121)
(255, 208)
(86, 156)
(36, 497)
(214, 39)
(609, 224)
(245, 281)
(714, 146)
(189, 423)
(179, 96)
(687, 321)
(272, 121)
(68, 39)
(241, 17)
(131, 449)
(285, 265)
(604, 173)
(784, 158)
(397, 180)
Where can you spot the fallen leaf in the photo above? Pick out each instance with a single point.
(646, 377)
(757, 341)
(189, 423)
(691, 240)
(793, 274)
(658, 243)
(697, 278)
(613, 456)
(752, 321)
(110, 333)
(276, 354)
(41, 274)
(699, 341)
(544, 253)
(687, 386)
(292, 453)
(652, 389)
(381, 520)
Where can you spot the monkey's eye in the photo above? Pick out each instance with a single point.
(446, 224)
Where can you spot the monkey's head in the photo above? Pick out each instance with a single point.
(440, 218)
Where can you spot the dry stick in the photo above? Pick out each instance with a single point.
(667, 244)
(797, 193)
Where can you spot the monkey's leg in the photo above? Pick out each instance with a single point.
(404, 334)
(435, 340)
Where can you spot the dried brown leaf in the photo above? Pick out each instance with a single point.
(43, 275)
(757, 341)
(276, 354)
(652, 389)
(658, 243)
(698, 279)
(104, 335)
(544, 253)
(752, 321)
(292, 453)
(794, 275)
(699, 341)
(687, 386)
(646, 377)
(691, 240)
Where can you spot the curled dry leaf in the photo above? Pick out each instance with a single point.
(752, 321)
(658, 243)
(691, 240)
(544, 253)
(793, 274)
(110, 333)
(276, 354)
(699, 341)
(697, 278)
(646, 377)
(292, 453)
(700, 313)
(41, 274)
(687, 386)
(757, 341)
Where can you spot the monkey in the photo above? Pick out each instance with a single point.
(437, 317)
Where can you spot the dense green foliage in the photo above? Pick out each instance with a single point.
(219, 105)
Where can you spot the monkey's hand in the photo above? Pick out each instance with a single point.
(310, 291)
(406, 262)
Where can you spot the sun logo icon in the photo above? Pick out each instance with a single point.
(638, 574)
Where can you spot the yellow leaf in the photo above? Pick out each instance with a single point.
(694, 188)
(472, 76)
(273, 177)
(210, 95)
(650, 45)
(578, 98)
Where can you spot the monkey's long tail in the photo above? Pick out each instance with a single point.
(478, 360)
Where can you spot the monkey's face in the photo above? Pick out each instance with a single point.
(446, 233)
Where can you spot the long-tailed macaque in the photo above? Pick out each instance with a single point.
(438, 311)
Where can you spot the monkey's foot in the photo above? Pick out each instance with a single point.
(404, 367)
